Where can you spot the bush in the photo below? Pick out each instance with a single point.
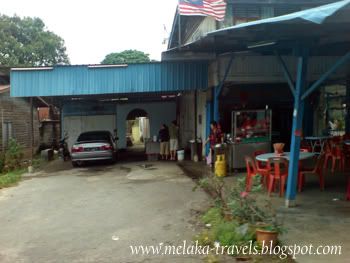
(13, 156)
(10, 178)
(2, 162)
(213, 216)
(226, 233)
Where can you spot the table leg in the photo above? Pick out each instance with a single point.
(322, 142)
(313, 145)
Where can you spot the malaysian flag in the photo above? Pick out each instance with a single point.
(214, 8)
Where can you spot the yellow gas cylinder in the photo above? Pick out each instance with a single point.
(220, 166)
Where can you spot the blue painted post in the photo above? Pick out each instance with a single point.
(207, 125)
(216, 104)
(297, 126)
(217, 90)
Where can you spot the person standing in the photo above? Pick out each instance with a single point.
(216, 136)
(164, 142)
(174, 141)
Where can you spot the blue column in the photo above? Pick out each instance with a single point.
(297, 127)
(207, 124)
(216, 103)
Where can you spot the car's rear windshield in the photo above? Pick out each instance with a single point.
(94, 136)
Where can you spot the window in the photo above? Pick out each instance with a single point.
(281, 10)
(242, 14)
(6, 133)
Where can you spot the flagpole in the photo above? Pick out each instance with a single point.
(179, 25)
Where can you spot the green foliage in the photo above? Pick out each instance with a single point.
(215, 186)
(206, 237)
(126, 57)
(13, 155)
(244, 205)
(225, 232)
(2, 162)
(213, 216)
(252, 207)
(10, 178)
(26, 42)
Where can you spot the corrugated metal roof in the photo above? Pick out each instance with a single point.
(94, 80)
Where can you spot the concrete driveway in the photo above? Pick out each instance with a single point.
(94, 214)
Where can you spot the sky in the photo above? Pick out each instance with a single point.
(92, 29)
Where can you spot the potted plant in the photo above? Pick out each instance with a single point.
(251, 207)
(267, 235)
(268, 230)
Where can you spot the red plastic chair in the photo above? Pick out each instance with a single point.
(259, 164)
(305, 146)
(305, 150)
(337, 139)
(262, 168)
(278, 172)
(334, 153)
(317, 170)
(251, 172)
(346, 148)
(348, 190)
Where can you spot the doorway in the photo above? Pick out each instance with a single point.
(137, 130)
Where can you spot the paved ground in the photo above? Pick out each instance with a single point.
(94, 214)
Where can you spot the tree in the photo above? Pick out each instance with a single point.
(27, 42)
(126, 56)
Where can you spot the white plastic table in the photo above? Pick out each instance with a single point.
(317, 141)
(264, 157)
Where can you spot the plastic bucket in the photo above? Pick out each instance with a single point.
(180, 155)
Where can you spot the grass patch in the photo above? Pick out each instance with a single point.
(11, 178)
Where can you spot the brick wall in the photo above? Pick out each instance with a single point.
(17, 111)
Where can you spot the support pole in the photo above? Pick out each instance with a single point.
(286, 73)
(216, 104)
(195, 116)
(218, 89)
(179, 31)
(207, 126)
(31, 130)
(347, 117)
(297, 127)
(344, 59)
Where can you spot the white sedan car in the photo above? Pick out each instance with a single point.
(93, 146)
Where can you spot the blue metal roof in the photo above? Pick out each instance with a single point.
(108, 79)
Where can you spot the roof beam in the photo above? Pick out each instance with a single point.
(329, 72)
(286, 73)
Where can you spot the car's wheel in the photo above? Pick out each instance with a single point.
(114, 158)
(75, 164)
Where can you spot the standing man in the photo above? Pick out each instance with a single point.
(174, 141)
(164, 142)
